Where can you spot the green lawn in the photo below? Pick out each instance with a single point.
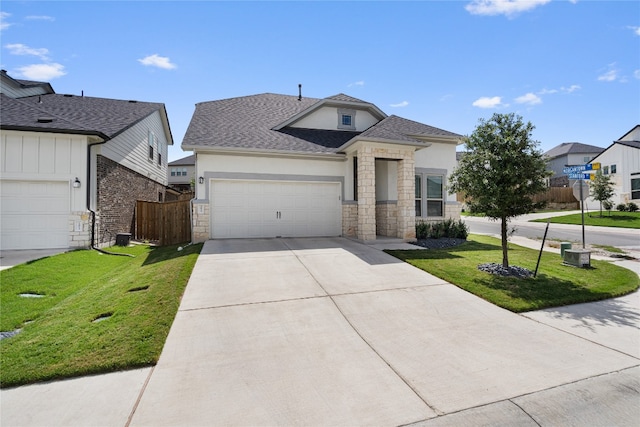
(612, 219)
(555, 285)
(133, 299)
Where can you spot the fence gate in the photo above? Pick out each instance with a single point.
(166, 222)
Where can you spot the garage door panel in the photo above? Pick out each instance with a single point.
(35, 215)
(274, 208)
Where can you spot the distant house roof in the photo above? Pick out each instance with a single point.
(260, 122)
(185, 161)
(573, 148)
(57, 113)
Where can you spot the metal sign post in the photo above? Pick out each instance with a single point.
(580, 192)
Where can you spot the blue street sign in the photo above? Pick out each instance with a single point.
(579, 176)
(580, 168)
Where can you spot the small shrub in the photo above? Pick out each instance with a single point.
(437, 230)
(422, 230)
(607, 205)
(621, 207)
(632, 207)
(447, 228)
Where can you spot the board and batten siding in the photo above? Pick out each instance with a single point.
(39, 156)
(627, 161)
(131, 148)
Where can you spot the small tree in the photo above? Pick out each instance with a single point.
(601, 188)
(501, 172)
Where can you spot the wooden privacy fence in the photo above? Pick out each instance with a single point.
(556, 195)
(168, 223)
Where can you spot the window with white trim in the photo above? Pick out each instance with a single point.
(151, 139)
(613, 169)
(346, 119)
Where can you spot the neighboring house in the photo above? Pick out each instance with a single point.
(273, 165)
(72, 167)
(621, 161)
(568, 154)
(182, 173)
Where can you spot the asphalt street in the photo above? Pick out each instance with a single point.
(621, 238)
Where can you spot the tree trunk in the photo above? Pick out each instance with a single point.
(505, 248)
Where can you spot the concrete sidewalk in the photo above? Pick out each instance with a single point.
(333, 332)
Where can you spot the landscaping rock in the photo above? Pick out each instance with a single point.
(442, 243)
(512, 271)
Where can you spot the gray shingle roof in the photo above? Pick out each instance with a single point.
(248, 123)
(400, 129)
(74, 114)
(185, 161)
(573, 148)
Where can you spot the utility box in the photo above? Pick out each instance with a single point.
(577, 258)
(563, 247)
(122, 239)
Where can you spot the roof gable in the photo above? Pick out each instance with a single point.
(632, 135)
(103, 117)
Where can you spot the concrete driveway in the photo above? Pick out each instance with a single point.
(330, 332)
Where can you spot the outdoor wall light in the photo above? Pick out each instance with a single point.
(201, 180)
(76, 183)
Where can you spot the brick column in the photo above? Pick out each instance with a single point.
(406, 198)
(366, 194)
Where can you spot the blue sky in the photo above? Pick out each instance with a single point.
(572, 68)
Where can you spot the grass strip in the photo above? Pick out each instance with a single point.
(98, 313)
(555, 285)
(609, 219)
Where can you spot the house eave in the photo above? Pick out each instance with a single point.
(417, 145)
(101, 136)
(198, 149)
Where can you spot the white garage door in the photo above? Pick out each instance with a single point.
(275, 209)
(34, 215)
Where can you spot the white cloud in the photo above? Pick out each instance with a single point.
(400, 104)
(508, 8)
(529, 99)
(486, 102)
(157, 61)
(636, 74)
(3, 21)
(636, 30)
(21, 49)
(611, 75)
(358, 83)
(570, 89)
(42, 72)
(40, 18)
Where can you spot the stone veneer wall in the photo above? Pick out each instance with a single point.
(405, 228)
(79, 229)
(387, 218)
(118, 190)
(200, 226)
(350, 219)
